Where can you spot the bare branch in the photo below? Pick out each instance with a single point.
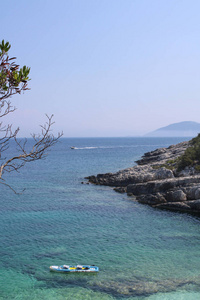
(38, 151)
(17, 193)
(6, 108)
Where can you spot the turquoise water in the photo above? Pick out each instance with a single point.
(142, 253)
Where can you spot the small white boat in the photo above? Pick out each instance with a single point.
(77, 268)
(72, 147)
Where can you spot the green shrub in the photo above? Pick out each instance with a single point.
(171, 161)
(197, 168)
(167, 166)
(191, 156)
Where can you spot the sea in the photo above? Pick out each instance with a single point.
(142, 252)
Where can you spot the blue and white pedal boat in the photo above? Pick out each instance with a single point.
(77, 268)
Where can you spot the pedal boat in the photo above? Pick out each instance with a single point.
(77, 268)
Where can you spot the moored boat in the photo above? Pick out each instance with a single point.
(77, 268)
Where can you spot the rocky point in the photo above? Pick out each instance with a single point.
(155, 182)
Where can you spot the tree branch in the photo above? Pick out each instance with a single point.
(38, 151)
(14, 80)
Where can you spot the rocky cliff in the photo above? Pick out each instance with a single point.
(155, 180)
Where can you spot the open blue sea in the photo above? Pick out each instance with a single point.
(142, 253)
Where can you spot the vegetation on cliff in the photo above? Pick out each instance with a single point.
(191, 156)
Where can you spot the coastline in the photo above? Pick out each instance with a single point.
(153, 181)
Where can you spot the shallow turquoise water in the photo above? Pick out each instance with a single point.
(142, 253)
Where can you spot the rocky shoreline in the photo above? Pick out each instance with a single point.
(155, 182)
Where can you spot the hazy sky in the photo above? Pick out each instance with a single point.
(105, 67)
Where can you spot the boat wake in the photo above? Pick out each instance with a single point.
(108, 147)
(82, 148)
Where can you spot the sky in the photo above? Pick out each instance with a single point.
(105, 68)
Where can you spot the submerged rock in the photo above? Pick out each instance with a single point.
(135, 287)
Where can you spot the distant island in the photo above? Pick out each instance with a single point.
(181, 129)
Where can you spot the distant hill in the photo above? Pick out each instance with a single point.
(182, 129)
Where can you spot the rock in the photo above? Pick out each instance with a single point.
(194, 205)
(197, 193)
(151, 199)
(82, 182)
(163, 154)
(193, 192)
(188, 171)
(178, 206)
(151, 182)
(186, 206)
(132, 175)
(163, 173)
(120, 190)
(176, 196)
(140, 287)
